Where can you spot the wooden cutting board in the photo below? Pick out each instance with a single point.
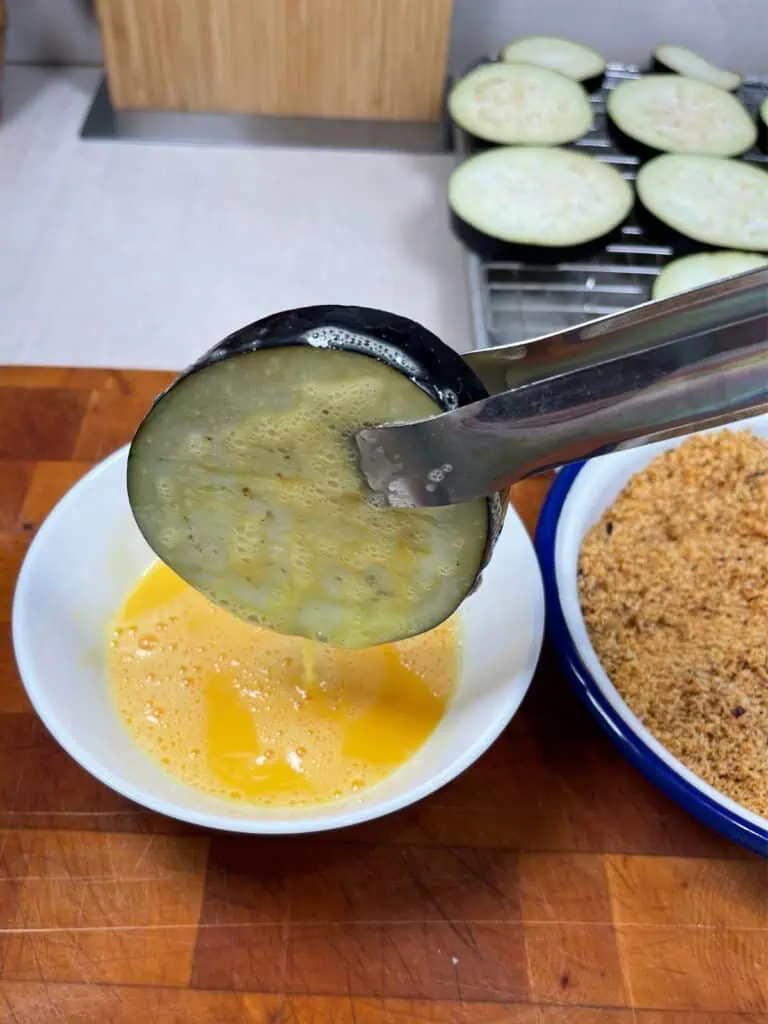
(550, 883)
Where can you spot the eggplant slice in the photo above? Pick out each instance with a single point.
(542, 203)
(673, 114)
(702, 268)
(682, 61)
(762, 127)
(575, 61)
(243, 478)
(715, 202)
(521, 104)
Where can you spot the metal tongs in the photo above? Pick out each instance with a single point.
(658, 370)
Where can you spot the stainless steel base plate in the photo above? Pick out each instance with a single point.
(103, 121)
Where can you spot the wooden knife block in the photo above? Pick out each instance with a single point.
(377, 59)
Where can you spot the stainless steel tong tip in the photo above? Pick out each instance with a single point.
(658, 370)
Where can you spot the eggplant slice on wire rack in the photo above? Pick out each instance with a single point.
(243, 478)
(674, 114)
(682, 61)
(574, 60)
(536, 204)
(520, 104)
(705, 201)
(702, 268)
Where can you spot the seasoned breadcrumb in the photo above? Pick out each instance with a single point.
(673, 583)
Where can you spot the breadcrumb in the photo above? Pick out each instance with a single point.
(673, 582)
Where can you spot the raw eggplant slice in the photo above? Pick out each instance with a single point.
(703, 268)
(520, 103)
(716, 202)
(762, 126)
(575, 61)
(243, 478)
(542, 203)
(673, 114)
(682, 61)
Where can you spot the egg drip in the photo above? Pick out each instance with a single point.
(247, 714)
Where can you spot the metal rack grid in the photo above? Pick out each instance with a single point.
(514, 302)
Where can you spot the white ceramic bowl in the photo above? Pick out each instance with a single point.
(575, 502)
(88, 555)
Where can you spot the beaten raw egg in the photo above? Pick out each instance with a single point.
(241, 712)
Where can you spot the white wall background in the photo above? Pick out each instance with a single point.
(52, 32)
(731, 32)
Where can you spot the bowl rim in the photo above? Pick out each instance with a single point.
(698, 798)
(253, 825)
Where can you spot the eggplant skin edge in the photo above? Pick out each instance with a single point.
(644, 151)
(591, 83)
(498, 250)
(632, 146)
(478, 142)
(658, 230)
(442, 367)
(762, 126)
(628, 144)
(443, 370)
(658, 67)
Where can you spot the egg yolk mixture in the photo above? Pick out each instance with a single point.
(241, 712)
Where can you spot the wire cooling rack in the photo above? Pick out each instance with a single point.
(513, 302)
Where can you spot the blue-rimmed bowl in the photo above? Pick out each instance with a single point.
(577, 499)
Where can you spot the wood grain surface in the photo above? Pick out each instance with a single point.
(549, 883)
(318, 58)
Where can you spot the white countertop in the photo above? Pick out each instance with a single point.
(143, 255)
